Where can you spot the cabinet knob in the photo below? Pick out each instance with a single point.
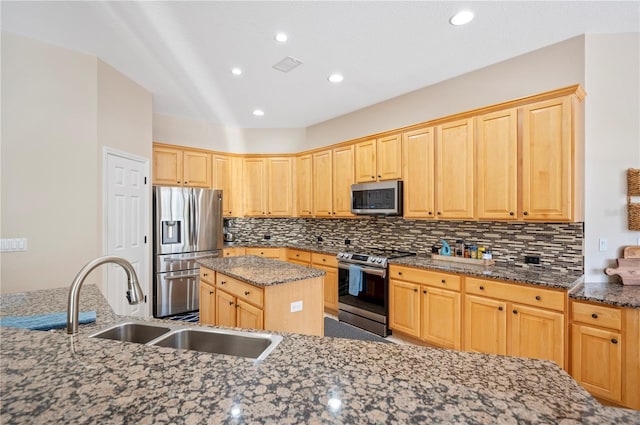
(439, 213)
(246, 292)
(594, 315)
(222, 282)
(538, 298)
(230, 302)
(500, 308)
(210, 292)
(443, 281)
(324, 260)
(379, 176)
(205, 274)
(515, 311)
(430, 213)
(372, 177)
(415, 289)
(186, 182)
(613, 340)
(399, 273)
(424, 292)
(481, 288)
(510, 212)
(526, 213)
(297, 255)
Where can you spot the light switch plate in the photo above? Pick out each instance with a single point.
(296, 306)
(13, 244)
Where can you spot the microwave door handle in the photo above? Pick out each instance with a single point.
(375, 272)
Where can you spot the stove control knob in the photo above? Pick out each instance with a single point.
(379, 260)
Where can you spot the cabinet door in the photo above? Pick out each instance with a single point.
(330, 288)
(546, 160)
(389, 157)
(537, 333)
(404, 307)
(196, 169)
(207, 304)
(304, 185)
(221, 180)
(255, 186)
(497, 157)
(455, 182)
(323, 184)
(248, 316)
(440, 317)
(419, 173)
(280, 185)
(365, 161)
(167, 166)
(485, 325)
(596, 360)
(225, 309)
(342, 181)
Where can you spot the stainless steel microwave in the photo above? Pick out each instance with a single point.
(377, 198)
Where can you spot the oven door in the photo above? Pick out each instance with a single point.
(367, 310)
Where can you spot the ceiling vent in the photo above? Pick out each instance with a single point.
(287, 64)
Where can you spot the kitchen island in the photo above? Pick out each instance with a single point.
(51, 377)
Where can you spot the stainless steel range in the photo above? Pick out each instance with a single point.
(363, 288)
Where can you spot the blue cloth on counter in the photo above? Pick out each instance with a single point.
(355, 280)
(44, 322)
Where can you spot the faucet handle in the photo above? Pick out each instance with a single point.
(129, 296)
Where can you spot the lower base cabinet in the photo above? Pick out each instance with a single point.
(329, 264)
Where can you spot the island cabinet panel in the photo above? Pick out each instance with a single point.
(605, 351)
(455, 169)
(304, 185)
(419, 173)
(207, 300)
(497, 158)
(329, 264)
(248, 316)
(237, 288)
(225, 309)
(295, 307)
(515, 319)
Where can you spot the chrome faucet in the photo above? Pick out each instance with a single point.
(134, 291)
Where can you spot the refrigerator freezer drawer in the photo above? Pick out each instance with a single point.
(176, 293)
(179, 262)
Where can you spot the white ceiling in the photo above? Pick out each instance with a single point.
(183, 52)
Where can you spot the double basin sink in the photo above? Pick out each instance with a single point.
(256, 346)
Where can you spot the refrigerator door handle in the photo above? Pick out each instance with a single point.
(173, 260)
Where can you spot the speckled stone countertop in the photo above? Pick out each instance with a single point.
(260, 271)
(51, 377)
(608, 293)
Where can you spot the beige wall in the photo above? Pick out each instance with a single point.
(59, 110)
(49, 151)
(199, 134)
(545, 69)
(612, 145)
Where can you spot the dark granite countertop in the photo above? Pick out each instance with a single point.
(260, 271)
(608, 293)
(51, 377)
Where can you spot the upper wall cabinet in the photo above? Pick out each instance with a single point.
(333, 171)
(497, 158)
(379, 159)
(181, 167)
(227, 176)
(268, 187)
(323, 183)
(419, 173)
(455, 183)
(552, 160)
(304, 185)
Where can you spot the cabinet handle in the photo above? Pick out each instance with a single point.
(246, 292)
(230, 302)
(515, 311)
(500, 308)
(613, 340)
(399, 273)
(481, 288)
(594, 315)
(222, 282)
(510, 212)
(526, 213)
(537, 297)
(424, 292)
(205, 274)
(439, 213)
(415, 289)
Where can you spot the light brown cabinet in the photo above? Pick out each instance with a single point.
(426, 305)
(227, 176)
(329, 264)
(207, 300)
(304, 185)
(332, 179)
(605, 351)
(233, 251)
(297, 256)
(268, 187)
(238, 304)
(274, 253)
(181, 167)
(419, 173)
(378, 159)
(455, 170)
(519, 320)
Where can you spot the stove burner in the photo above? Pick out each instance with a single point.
(374, 257)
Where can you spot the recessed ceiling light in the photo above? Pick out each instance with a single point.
(281, 37)
(236, 71)
(258, 112)
(336, 78)
(461, 18)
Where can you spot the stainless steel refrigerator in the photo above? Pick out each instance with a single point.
(187, 226)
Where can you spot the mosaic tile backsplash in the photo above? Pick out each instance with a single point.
(559, 245)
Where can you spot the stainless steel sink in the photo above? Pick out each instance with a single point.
(235, 343)
(132, 332)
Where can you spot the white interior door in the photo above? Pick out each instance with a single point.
(127, 213)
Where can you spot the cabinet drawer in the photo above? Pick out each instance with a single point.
(529, 295)
(207, 275)
(240, 289)
(324, 259)
(596, 314)
(264, 252)
(425, 277)
(297, 255)
(233, 252)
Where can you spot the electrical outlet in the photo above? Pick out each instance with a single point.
(267, 237)
(602, 243)
(347, 241)
(531, 259)
(296, 306)
(319, 238)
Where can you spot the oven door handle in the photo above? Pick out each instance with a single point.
(375, 272)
